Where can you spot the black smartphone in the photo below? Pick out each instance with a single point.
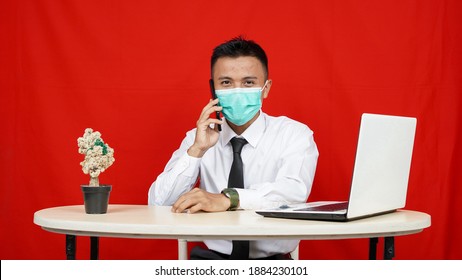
(214, 96)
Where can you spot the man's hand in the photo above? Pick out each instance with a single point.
(206, 137)
(198, 199)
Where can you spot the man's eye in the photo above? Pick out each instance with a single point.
(249, 83)
(225, 83)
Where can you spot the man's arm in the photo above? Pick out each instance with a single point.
(182, 170)
(178, 177)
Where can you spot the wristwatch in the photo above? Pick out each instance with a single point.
(233, 196)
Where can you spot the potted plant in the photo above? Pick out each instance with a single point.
(98, 157)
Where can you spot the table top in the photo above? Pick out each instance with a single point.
(143, 221)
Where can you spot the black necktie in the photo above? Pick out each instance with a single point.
(236, 180)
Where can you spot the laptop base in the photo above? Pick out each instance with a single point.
(328, 217)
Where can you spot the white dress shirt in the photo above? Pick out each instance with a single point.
(279, 166)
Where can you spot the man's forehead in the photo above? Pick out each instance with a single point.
(248, 66)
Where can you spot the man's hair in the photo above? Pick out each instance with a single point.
(238, 47)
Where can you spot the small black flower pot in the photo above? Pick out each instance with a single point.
(96, 199)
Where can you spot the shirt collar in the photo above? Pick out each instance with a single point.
(252, 134)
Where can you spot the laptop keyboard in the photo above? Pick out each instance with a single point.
(326, 207)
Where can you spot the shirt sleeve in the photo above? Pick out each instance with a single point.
(178, 177)
(294, 176)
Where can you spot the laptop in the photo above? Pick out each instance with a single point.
(380, 175)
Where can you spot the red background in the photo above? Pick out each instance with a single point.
(137, 71)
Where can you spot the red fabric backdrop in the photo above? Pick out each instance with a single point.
(137, 71)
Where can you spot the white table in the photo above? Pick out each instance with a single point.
(142, 221)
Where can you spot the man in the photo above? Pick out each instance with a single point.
(278, 155)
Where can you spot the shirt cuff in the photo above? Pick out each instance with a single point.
(253, 199)
(187, 165)
(247, 199)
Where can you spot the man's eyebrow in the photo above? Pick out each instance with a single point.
(225, 78)
(244, 78)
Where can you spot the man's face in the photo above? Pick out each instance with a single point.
(240, 72)
(233, 72)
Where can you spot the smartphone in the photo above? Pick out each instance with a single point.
(214, 96)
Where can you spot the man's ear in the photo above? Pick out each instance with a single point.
(266, 89)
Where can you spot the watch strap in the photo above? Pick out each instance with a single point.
(233, 196)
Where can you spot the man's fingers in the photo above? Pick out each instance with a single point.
(185, 201)
(197, 200)
(205, 125)
(190, 201)
(206, 113)
(195, 208)
(209, 105)
(180, 205)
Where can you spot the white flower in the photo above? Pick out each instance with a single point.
(98, 155)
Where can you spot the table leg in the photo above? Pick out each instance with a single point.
(70, 247)
(94, 247)
(373, 248)
(389, 249)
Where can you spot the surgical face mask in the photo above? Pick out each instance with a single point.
(240, 105)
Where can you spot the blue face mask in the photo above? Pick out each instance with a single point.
(240, 105)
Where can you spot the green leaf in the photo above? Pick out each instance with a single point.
(100, 143)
